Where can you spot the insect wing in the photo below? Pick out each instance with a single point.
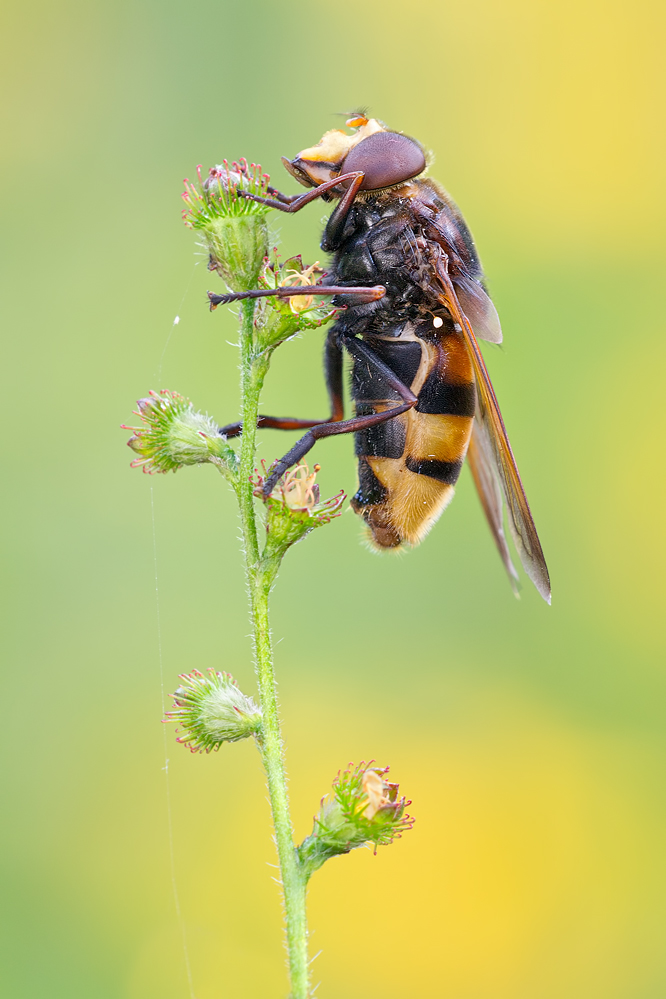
(479, 309)
(499, 453)
(479, 457)
(521, 524)
(476, 303)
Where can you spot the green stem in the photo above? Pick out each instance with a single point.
(253, 372)
(260, 577)
(293, 877)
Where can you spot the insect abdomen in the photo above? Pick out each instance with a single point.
(409, 465)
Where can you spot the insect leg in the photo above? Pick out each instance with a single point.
(286, 199)
(360, 350)
(294, 204)
(360, 294)
(271, 423)
(336, 224)
(333, 374)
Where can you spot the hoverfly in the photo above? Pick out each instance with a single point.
(407, 273)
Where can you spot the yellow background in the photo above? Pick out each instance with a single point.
(530, 739)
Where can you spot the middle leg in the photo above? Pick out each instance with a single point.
(333, 376)
(359, 350)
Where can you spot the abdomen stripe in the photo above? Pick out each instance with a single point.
(444, 471)
(444, 399)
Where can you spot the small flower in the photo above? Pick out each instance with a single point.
(298, 489)
(277, 319)
(377, 791)
(293, 277)
(212, 710)
(233, 228)
(365, 808)
(370, 803)
(294, 507)
(175, 435)
(299, 492)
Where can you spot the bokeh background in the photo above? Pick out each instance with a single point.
(531, 739)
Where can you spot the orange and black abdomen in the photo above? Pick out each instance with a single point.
(408, 466)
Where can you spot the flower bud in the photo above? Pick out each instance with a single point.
(233, 228)
(212, 710)
(364, 808)
(175, 435)
(294, 507)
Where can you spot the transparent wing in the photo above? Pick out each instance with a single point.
(479, 457)
(497, 449)
(479, 308)
(476, 303)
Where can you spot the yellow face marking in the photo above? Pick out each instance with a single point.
(331, 148)
(323, 161)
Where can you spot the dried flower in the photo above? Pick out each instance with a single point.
(295, 277)
(277, 319)
(299, 492)
(175, 435)
(233, 228)
(364, 808)
(294, 507)
(212, 710)
(298, 489)
(377, 791)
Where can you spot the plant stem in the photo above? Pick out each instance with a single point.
(252, 380)
(293, 878)
(260, 577)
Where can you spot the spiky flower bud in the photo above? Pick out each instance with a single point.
(233, 228)
(364, 808)
(294, 507)
(212, 710)
(175, 435)
(277, 319)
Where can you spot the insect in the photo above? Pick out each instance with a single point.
(407, 273)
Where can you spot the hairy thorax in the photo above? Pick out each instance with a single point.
(385, 241)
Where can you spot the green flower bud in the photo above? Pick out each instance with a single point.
(233, 228)
(294, 508)
(364, 809)
(212, 710)
(175, 435)
(277, 319)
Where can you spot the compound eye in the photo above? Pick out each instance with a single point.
(386, 158)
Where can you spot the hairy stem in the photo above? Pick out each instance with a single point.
(260, 577)
(253, 372)
(293, 878)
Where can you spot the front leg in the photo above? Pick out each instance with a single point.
(293, 204)
(360, 295)
(285, 199)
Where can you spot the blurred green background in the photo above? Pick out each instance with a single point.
(531, 739)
